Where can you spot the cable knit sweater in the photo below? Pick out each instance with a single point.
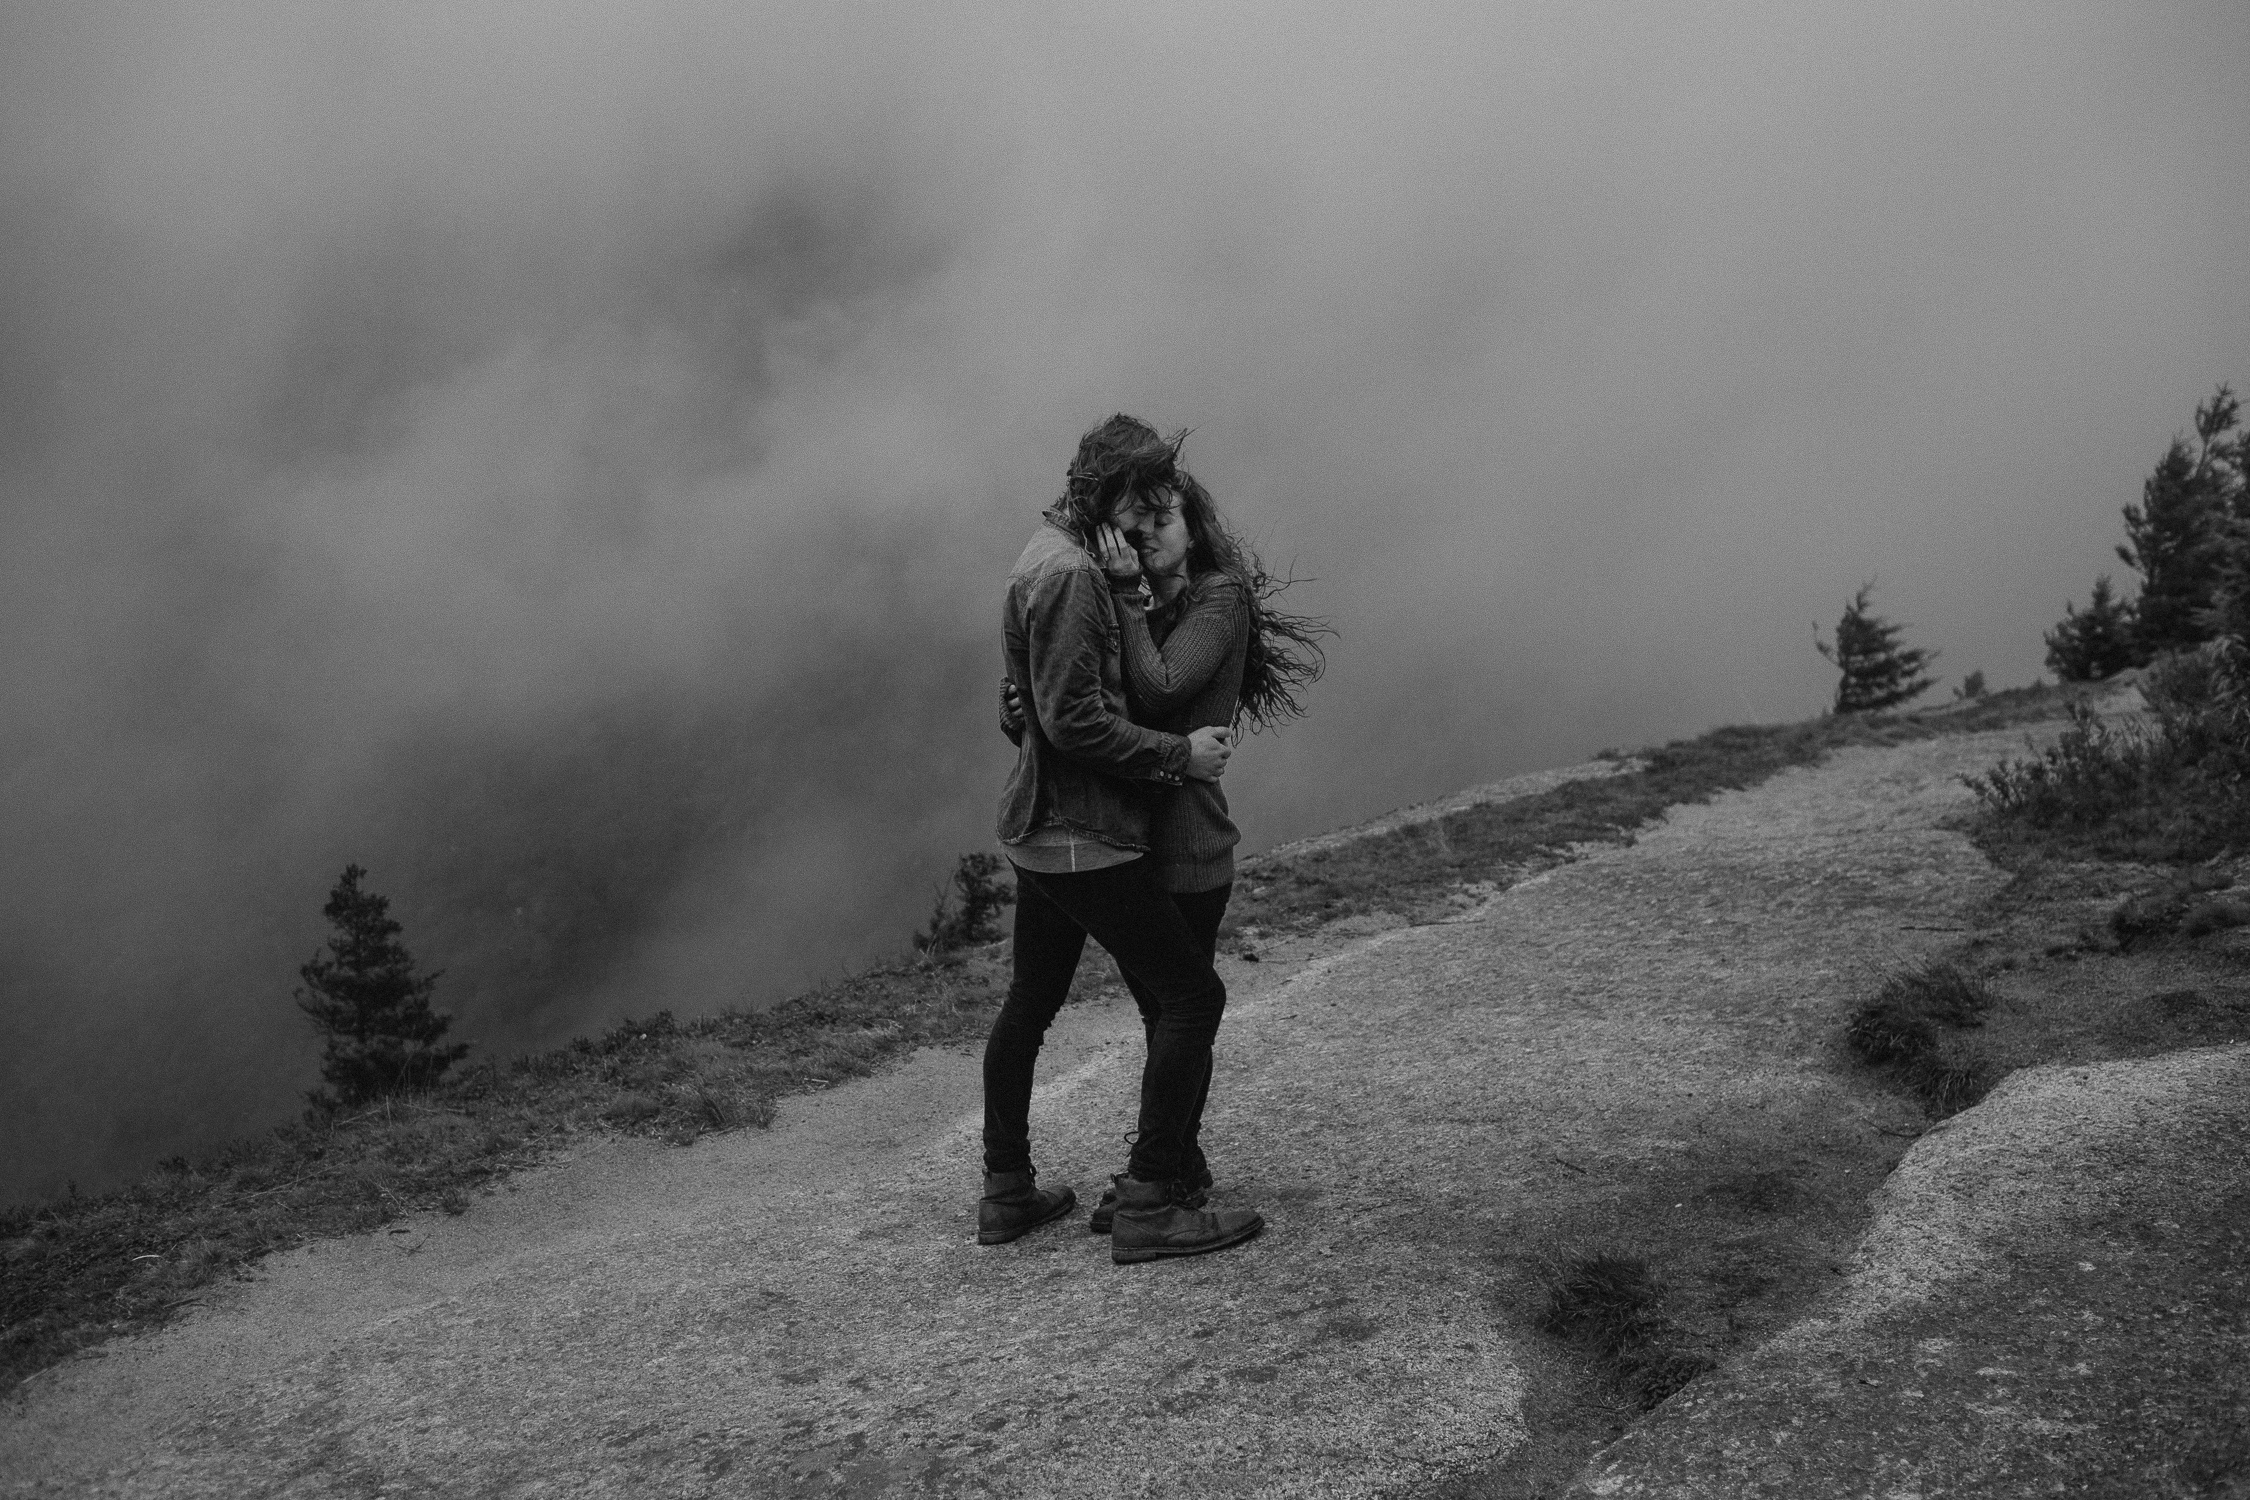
(1183, 671)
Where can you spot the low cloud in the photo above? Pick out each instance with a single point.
(565, 458)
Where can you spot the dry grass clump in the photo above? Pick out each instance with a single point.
(1910, 1028)
(1612, 1305)
(2184, 903)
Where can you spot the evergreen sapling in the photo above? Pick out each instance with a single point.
(1877, 671)
(2097, 644)
(366, 998)
(977, 888)
(2178, 537)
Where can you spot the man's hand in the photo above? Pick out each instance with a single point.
(1011, 710)
(1208, 752)
(1117, 557)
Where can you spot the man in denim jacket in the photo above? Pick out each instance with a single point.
(1074, 822)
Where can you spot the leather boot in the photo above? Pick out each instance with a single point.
(1152, 1225)
(1105, 1212)
(1012, 1206)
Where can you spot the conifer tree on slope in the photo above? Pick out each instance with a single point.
(976, 881)
(2228, 614)
(1877, 671)
(366, 997)
(2177, 537)
(2097, 644)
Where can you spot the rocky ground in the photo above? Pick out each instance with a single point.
(1636, 1051)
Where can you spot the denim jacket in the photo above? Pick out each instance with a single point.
(1082, 764)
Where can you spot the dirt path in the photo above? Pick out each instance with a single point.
(803, 1310)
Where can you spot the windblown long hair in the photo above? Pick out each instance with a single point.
(1284, 655)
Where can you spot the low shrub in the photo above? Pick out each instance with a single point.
(2093, 768)
(2176, 787)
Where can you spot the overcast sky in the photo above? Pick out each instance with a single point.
(466, 437)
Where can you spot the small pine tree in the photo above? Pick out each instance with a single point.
(366, 998)
(1877, 671)
(976, 919)
(2097, 644)
(2228, 614)
(2228, 617)
(2177, 537)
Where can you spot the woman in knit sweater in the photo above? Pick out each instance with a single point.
(1203, 646)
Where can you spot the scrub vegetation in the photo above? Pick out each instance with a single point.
(2170, 788)
(2175, 786)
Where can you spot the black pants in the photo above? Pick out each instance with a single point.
(1204, 910)
(1167, 964)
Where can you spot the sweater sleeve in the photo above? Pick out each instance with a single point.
(1164, 680)
(1067, 637)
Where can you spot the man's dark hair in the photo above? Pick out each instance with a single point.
(1123, 456)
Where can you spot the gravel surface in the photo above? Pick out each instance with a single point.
(802, 1311)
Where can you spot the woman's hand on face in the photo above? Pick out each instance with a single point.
(1118, 559)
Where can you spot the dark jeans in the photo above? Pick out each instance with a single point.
(1204, 910)
(1163, 958)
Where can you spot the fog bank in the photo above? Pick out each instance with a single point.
(565, 458)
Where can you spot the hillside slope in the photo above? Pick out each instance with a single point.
(1636, 1049)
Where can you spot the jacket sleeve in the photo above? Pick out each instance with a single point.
(1011, 724)
(1164, 680)
(1067, 624)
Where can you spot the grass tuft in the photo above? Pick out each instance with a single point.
(1950, 1084)
(2170, 906)
(2217, 915)
(1908, 1026)
(1612, 1305)
(1887, 1036)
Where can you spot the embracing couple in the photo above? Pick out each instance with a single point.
(1138, 631)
